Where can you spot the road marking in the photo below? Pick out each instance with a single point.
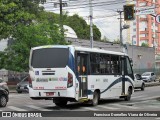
(37, 108)
(106, 107)
(16, 108)
(131, 107)
(89, 108)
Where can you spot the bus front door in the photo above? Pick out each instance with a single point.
(82, 64)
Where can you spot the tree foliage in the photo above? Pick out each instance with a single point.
(117, 41)
(28, 25)
(15, 12)
(16, 57)
(144, 44)
(79, 25)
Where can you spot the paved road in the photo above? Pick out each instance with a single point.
(141, 101)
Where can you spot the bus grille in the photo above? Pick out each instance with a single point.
(48, 72)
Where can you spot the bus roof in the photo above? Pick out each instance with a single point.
(81, 48)
(97, 50)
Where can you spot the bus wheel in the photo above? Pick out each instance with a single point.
(61, 103)
(95, 98)
(143, 86)
(128, 97)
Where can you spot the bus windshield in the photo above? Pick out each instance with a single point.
(50, 58)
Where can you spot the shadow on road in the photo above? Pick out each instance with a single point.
(77, 105)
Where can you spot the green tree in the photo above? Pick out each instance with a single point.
(144, 44)
(15, 12)
(16, 56)
(105, 39)
(79, 25)
(117, 41)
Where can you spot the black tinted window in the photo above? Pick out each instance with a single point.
(50, 58)
(104, 64)
(138, 77)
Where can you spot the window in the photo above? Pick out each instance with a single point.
(115, 64)
(138, 76)
(50, 58)
(104, 64)
(82, 64)
(94, 58)
(129, 69)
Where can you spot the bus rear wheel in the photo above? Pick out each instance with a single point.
(96, 97)
(128, 97)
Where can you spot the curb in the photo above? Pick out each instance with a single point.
(152, 84)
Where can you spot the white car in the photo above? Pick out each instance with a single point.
(4, 85)
(148, 76)
(139, 83)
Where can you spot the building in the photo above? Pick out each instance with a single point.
(144, 29)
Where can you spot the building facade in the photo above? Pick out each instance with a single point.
(144, 29)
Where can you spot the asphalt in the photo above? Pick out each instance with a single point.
(147, 84)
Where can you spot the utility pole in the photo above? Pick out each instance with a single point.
(120, 26)
(123, 59)
(61, 18)
(91, 24)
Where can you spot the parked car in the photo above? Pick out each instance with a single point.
(148, 76)
(22, 86)
(4, 85)
(139, 83)
(3, 97)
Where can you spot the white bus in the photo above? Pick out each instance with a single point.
(65, 73)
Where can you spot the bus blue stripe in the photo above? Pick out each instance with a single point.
(111, 85)
(71, 62)
(116, 82)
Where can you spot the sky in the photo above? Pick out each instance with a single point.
(105, 15)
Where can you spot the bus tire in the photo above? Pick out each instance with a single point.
(128, 97)
(143, 86)
(96, 98)
(61, 103)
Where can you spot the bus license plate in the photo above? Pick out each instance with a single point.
(50, 94)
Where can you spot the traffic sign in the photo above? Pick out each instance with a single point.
(158, 18)
(145, 10)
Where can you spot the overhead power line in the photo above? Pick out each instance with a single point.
(87, 5)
